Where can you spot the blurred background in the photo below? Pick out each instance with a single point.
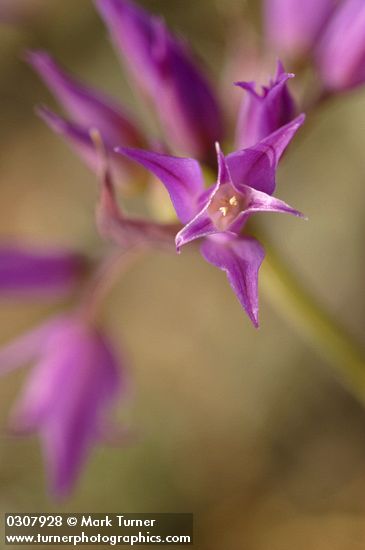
(249, 430)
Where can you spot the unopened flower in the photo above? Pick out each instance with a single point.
(88, 109)
(293, 26)
(341, 51)
(164, 69)
(35, 271)
(246, 181)
(69, 395)
(263, 113)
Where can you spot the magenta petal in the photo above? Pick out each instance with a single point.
(25, 348)
(90, 373)
(166, 72)
(87, 107)
(340, 54)
(124, 230)
(198, 227)
(256, 201)
(34, 272)
(256, 166)
(182, 178)
(240, 258)
(293, 26)
(265, 112)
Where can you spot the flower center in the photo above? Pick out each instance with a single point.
(225, 207)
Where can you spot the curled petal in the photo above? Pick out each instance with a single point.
(34, 272)
(87, 107)
(182, 178)
(264, 113)
(240, 258)
(256, 166)
(200, 226)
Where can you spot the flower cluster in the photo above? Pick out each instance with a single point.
(78, 377)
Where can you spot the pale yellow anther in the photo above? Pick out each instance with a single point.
(233, 201)
(224, 210)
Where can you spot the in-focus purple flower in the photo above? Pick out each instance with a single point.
(88, 108)
(263, 113)
(246, 181)
(69, 395)
(293, 26)
(166, 72)
(35, 272)
(341, 51)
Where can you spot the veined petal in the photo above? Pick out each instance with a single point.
(200, 226)
(256, 166)
(257, 201)
(240, 258)
(33, 271)
(182, 178)
(88, 107)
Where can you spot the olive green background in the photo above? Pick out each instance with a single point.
(247, 429)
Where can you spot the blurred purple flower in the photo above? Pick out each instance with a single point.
(246, 181)
(293, 26)
(263, 113)
(89, 109)
(35, 272)
(341, 51)
(69, 395)
(166, 72)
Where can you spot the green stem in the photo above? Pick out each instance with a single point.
(314, 324)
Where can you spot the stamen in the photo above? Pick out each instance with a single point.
(224, 210)
(233, 201)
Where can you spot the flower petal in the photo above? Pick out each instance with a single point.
(88, 108)
(36, 272)
(256, 166)
(341, 61)
(240, 258)
(166, 72)
(182, 178)
(26, 347)
(256, 202)
(264, 113)
(293, 26)
(124, 230)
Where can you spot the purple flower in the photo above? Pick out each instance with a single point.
(293, 26)
(69, 395)
(165, 71)
(35, 272)
(89, 109)
(246, 181)
(263, 113)
(341, 51)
